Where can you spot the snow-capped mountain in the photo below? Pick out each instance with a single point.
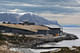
(38, 20)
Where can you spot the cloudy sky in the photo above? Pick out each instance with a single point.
(64, 11)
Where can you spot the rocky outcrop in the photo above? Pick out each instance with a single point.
(70, 36)
(65, 36)
(34, 40)
(5, 49)
(73, 49)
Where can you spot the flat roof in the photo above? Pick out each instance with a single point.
(33, 28)
(53, 26)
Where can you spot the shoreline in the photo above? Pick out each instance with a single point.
(33, 42)
(66, 36)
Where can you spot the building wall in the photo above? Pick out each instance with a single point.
(22, 31)
(51, 31)
(42, 32)
(54, 31)
(15, 30)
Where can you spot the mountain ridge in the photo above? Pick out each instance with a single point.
(17, 17)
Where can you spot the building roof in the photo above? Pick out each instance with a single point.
(53, 26)
(33, 28)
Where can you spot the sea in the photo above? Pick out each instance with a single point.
(70, 43)
(65, 43)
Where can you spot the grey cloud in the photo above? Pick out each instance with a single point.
(54, 6)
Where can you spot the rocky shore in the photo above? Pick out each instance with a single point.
(65, 36)
(4, 49)
(35, 40)
(73, 49)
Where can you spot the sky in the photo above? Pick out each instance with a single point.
(66, 12)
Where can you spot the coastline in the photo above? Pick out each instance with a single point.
(33, 44)
(65, 36)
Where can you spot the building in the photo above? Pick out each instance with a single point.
(29, 29)
(21, 29)
(55, 29)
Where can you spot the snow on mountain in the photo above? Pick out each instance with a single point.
(15, 17)
(38, 20)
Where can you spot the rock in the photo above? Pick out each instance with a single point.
(65, 36)
(69, 36)
(30, 42)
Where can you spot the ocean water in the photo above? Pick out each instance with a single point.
(70, 43)
(66, 43)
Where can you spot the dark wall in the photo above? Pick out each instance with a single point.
(15, 30)
(51, 31)
(54, 30)
(22, 31)
(42, 32)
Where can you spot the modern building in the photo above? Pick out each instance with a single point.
(55, 29)
(30, 29)
(21, 29)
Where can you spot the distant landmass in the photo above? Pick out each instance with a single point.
(71, 25)
(30, 17)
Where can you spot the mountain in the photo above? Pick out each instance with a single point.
(38, 20)
(8, 17)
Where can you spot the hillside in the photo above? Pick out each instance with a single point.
(38, 20)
